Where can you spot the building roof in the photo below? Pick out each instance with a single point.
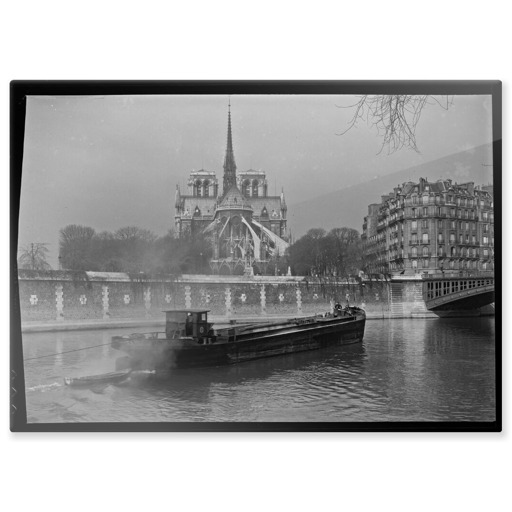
(271, 203)
(233, 198)
(202, 172)
(205, 204)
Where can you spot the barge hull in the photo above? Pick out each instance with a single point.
(249, 347)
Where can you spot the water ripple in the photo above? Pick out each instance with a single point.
(405, 370)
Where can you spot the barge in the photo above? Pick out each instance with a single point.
(190, 341)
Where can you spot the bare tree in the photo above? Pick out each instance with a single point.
(395, 116)
(33, 257)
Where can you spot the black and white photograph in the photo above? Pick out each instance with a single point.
(277, 256)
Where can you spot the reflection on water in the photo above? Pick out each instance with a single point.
(405, 370)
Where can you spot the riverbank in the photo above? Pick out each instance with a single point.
(74, 325)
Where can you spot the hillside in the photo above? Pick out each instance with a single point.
(348, 206)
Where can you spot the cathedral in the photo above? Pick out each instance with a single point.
(245, 226)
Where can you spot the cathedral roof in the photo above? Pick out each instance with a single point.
(205, 204)
(271, 203)
(233, 199)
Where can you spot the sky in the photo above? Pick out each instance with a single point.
(114, 161)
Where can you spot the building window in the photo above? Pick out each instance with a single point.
(440, 250)
(486, 240)
(425, 199)
(460, 225)
(439, 224)
(414, 213)
(424, 224)
(453, 251)
(425, 251)
(246, 188)
(414, 252)
(452, 238)
(425, 211)
(452, 264)
(453, 224)
(425, 263)
(414, 224)
(440, 238)
(486, 228)
(424, 238)
(467, 226)
(255, 188)
(473, 239)
(460, 239)
(414, 263)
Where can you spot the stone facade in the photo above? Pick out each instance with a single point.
(430, 226)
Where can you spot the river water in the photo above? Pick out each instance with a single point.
(405, 370)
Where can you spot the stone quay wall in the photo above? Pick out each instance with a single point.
(74, 296)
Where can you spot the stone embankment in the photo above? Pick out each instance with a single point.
(68, 300)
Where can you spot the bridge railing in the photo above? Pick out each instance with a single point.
(433, 289)
(462, 294)
(457, 274)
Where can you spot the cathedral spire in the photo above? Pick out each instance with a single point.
(229, 160)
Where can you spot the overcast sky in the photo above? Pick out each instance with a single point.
(114, 161)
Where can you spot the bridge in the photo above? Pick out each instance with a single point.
(458, 292)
